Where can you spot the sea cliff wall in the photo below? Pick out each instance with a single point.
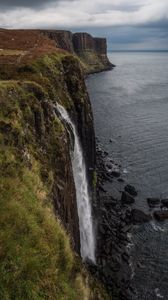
(91, 51)
(63, 39)
(39, 219)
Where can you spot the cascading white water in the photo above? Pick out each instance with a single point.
(87, 239)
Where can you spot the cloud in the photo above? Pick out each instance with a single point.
(89, 15)
(93, 13)
(10, 4)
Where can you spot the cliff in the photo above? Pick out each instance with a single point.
(38, 213)
(63, 39)
(91, 51)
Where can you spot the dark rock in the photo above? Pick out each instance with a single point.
(62, 38)
(131, 190)
(164, 202)
(152, 202)
(127, 198)
(120, 180)
(139, 217)
(109, 166)
(105, 153)
(102, 189)
(125, 257)
(125, 229)
(115, 173)
(161, 215)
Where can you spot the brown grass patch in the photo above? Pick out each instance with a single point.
(21, 46)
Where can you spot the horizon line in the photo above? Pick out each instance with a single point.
(138, 50)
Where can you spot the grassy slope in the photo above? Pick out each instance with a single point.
(91, 62)
(36, 258)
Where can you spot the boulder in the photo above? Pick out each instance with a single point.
(105, 153)
(109, 166)
(164, 202)
(139, 217)
(152, 202)
(161, 215)
(131, 190)
(120, 180)
(126, 198)
(115, 173)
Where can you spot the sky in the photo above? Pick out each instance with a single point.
(127, 24)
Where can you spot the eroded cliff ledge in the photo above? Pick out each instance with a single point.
(38, 213)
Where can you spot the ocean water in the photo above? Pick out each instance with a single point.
(130, 106)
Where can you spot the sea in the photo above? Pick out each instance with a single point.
(130, 107)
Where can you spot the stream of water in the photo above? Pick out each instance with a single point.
(87, 238)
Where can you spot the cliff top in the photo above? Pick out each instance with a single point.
(23, 40)
(18, 46)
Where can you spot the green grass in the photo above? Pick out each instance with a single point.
(94, 179)
(90, 62)
(36, 260)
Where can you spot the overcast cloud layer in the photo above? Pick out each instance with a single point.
(128, 24)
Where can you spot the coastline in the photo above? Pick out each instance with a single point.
(124, 105)
(36, 174)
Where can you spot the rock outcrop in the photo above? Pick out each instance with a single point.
(92, 51)
(63, 39)
(161, 215)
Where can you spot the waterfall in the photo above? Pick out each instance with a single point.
(87, 240)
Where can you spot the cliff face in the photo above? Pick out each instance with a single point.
(82, 113)
(36, 174)
(91, 51)
(62, 39)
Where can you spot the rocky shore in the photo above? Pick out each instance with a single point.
(115, 218)
(113, 232)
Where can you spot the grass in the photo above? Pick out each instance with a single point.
(90, 62)
(36, 260)
(94, 179)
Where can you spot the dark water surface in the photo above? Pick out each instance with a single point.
(130, 106)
